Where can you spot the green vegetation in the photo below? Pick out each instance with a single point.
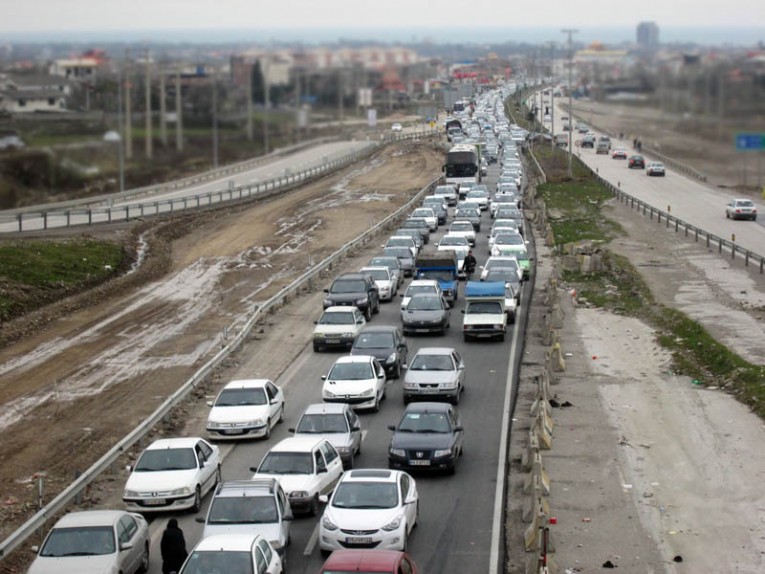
(575, 214)
(33, 273)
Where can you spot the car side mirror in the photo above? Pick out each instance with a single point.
(321, 469)
(209, 403)
(324, 377)
(410, 500)
(253, 469)
(355, 428)
(200, 519)
(126, 546)
(380, 375)
(274, 401)
(392, 427)
(323, 498)
(458, 428)
(287, 517)
(462, 311)
(35, 549)
(315, 322)
(461, 367)
(129, 468)
(326, 290)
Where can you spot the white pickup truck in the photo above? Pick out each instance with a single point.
(485, 314)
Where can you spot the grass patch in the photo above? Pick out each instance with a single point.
(33, 273)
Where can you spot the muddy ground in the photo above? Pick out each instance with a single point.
(96, 367)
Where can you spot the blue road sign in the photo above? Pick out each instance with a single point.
(750, 142)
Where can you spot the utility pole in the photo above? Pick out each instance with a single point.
(552, 94)
(128, 110)
(178, 113)
(250, 127)
(162, 109)
(120, 130)
(298, 105)
(215, 117)
(340, 90)
(570, 32)
(149, 150)
(267, 101)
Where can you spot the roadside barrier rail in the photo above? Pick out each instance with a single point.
(58, 504)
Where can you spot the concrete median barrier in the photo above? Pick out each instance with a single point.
(542, 431)
(536, 502)
(534, 535)
(537, 476)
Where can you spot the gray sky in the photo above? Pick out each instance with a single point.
(104, 15)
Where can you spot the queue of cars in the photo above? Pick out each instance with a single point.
(247, 524)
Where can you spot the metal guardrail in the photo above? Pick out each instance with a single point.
(67, 495)
(48, 218)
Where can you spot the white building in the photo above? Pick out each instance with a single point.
(24, 93)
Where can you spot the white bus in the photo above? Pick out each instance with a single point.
(461, 165)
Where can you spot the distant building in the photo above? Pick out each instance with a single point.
(648, 36)
(28, 93)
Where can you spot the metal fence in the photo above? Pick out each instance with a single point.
(59, 503)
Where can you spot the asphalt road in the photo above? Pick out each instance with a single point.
(458, 514)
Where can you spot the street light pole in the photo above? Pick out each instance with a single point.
(570, 32)
(120, 143)
(215, 117)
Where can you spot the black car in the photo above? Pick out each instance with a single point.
(428, 436)
(473, 215)
(356, 289)
(384, 343)
(636, 162)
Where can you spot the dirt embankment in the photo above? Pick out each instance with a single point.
(89, 369)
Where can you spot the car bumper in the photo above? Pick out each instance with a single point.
(237, 433)
(300, 504)
(333, 342)
(484, 333)
(417, 328)
(145, 505)
(441, 463)
(378, 540)
(426, 394)
(354, 402)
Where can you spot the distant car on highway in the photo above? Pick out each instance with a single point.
(655, 168)
(397, 127)
(338, 326)
(245, 409)
(435, 372)
(636, 162)
(619, 153)
(741, 209)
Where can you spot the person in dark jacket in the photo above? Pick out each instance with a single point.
(173, 547)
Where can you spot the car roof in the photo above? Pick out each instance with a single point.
(353, 560)
(379, 329)
(247, 384)
(428, 407)
(301, 443)
(89, 518)
(325, 408)
(435, 351)
(179, 442)
(423, 283)
(342, 308)
(233, 542)
(371, 474)
(254, 486)
(351, 276)
(374, 268)
(354, 359)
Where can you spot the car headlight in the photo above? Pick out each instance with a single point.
(327, 302)
(393, 524)
(391, 358)
(343, 449)
(328, 524)
(182, 491)
(318, 335)
(131, 494)
(362, 301)
(449, 385)
(409, 385)
(368, 393)
(347, 334)
(398, 452)
(443, 452)
(499, 326)
(298, 494)
(329, 394)
(253, 423)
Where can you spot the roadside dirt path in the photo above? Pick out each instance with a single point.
(69, 392)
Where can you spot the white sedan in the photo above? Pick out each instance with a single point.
(387, 283)
(172, 474)
(358, 380)
(428, 215)
(370, 508)
(95, 541)
(233, 553)
(247, 408)
(464, 228)
(338, 327)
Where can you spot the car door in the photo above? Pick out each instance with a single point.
(333, 463)
(127, 532)
(359, 321)
(269, 556)
(208, 463)
(285, 510)
(459, 365)
(408, 492)
(401, 346)
(455, 419)
(275, 400)
(380, 372)
(353, 422)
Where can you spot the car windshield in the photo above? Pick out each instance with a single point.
(484, 308)
(241, 397)
(286, 463)
(348, 286)
(466, 226)
(322, 423)
(507, 263)
(337, 318)
(243, 510)
(414, 289)
(378, 274)
(464, 212)
(400, 252)
(389, 262)
(427, 212)
(476, 194)
(425, 423)
(502, 274)
(213, 561)
(424, 304)
(399, 242)
(157, 460)
(508, 239)
(351, 372)
(744, 203)
(432, 363)
(435, 274)
(79, 541)
(366, 495)
(374, 341)
(453, 240)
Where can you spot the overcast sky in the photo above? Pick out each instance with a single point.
(104, 15)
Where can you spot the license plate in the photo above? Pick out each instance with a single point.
(358, 540)
(155, 502)
(422, 330)
(419, 463)
(429, 391)
(232, 431)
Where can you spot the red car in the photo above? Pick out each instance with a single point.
(619, 153)
(369, 561)
(636, 161)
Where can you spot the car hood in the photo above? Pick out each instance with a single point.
(424, 441)
(333, 329)
(74, 565)
(237, 414)
(430, 377)
(423, 315)
(270, 531)
(362, 518)
(344, 297)
(160, 481)
(352, 388)
(379, 354)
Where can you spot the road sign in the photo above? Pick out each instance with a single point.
(750, 142)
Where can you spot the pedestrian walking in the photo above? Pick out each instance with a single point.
(173, 547)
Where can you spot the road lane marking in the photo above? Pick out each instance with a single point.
(312, 541)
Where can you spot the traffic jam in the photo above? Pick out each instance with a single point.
(403, 372)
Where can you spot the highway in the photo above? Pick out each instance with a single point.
(685, 197)
(459, 515)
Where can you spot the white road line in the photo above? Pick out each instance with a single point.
(312, 541)
(496, 527)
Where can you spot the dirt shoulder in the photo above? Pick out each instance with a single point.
(95, 372)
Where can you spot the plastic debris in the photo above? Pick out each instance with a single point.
(608, 564)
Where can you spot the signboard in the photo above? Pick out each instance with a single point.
(372, 117)
(750, 142)
(365, 97)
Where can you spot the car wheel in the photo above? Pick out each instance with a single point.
(376, 310)
(324, 553)
(316, 348)
(407, 400)
(368, 313)
(218, 477)
(144, 567)
(284, 562)
(281, 413)
(376, 407)
(268, 430)
(314, 509)
(197, 500)
(456, 399)
(465, 337)
(397, 372)
(502, 337)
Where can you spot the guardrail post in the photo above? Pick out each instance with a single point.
(746, 258)
(172, 206)
(109, 214)
(127, 213)
(45, 220)
(762, 265)
(719, 246)
(68, 218)
(707, 239)
(185, 203)
(156, 208)
(220, 197)
(141, 210)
